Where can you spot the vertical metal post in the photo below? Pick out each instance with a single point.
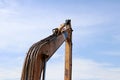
(44, 70)
(68, 53)
(44, 65)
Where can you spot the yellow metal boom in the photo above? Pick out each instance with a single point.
(40, 52)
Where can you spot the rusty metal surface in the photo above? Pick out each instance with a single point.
(68, 53)
(34, 63)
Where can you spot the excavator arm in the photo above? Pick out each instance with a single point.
(40, 52)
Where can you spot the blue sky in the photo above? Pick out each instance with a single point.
(96, 36)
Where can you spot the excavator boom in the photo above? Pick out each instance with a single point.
(40, 52)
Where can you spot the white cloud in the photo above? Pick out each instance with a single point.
(6, 12)
(11, 68)
(88, 70)
(20, 32)
(10, 74)
(110, 53)
(84, 69)
(8, 7)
